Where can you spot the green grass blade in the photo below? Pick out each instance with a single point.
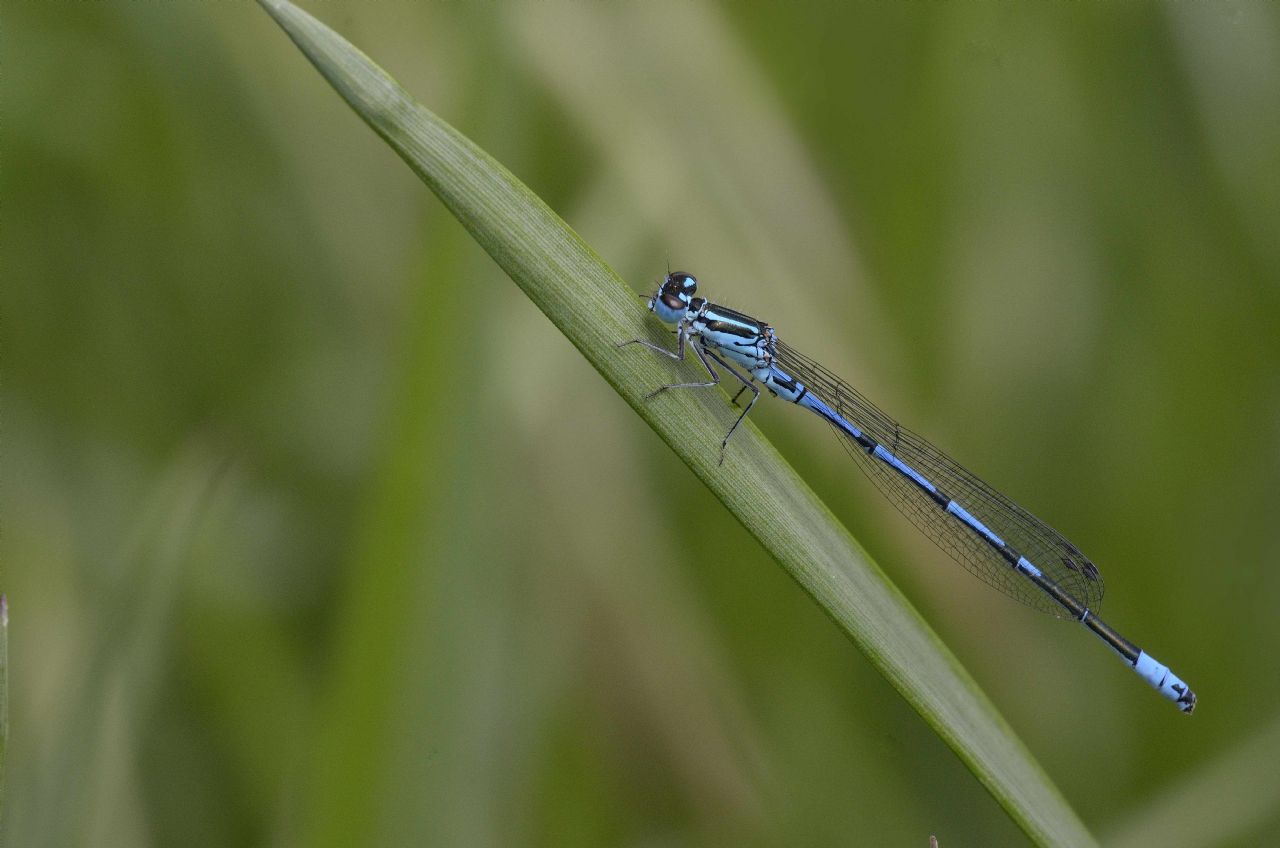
(4, 700)
(595, 309)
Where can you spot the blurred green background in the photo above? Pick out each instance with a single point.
(316, 532)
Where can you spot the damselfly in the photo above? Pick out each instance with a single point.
(984, 531)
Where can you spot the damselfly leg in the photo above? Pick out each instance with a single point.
(701, 352)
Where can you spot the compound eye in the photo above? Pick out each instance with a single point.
(672, 302)
(686, 283)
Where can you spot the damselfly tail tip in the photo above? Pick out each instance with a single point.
(1165, 682)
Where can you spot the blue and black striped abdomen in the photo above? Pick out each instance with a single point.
(980, 528)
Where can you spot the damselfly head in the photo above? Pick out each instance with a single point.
(673, 297)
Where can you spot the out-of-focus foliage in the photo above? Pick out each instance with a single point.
(315, 532)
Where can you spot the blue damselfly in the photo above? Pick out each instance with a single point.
(984, 531)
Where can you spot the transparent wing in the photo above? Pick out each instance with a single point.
(1054, 555)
